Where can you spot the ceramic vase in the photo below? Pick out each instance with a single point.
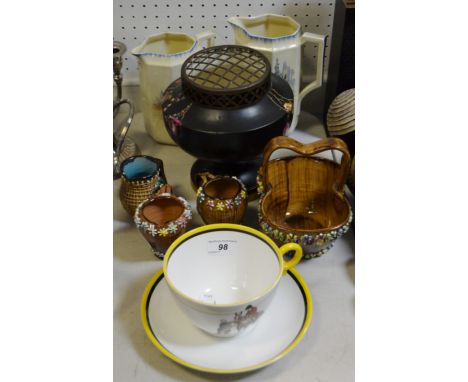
(162, 218)
(280, 39)
(222, 199)
(141, 176)
(160, 58)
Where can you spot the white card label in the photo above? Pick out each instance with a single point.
(222, 247)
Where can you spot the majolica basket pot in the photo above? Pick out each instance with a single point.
(162, 218)
(141, 177)
(302, 197)
(222, 199)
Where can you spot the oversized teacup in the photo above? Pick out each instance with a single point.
(224, 276)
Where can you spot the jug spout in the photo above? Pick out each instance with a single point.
(237, 21)
(241, 33)
(165, 45)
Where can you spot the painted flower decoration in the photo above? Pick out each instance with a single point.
(229, 204)
(210, 203)
(201, 197)
(307, 239)
(220, 206)
(291, 237)
(175, 121)
(237, 200)
(163, 232)
(172, 228)
(152, 229)
(243, 194)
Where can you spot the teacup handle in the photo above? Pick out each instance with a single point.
(288, 264)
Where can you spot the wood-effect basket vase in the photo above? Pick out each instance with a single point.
(169, 219)
(135, 191)
(302, 197)
(222, 199)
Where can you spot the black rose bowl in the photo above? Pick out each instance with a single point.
(224, 109)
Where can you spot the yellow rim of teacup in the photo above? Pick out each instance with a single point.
(236, 227)
(309, 308)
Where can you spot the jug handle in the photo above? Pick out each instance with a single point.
(308, 149)
(320, 41)
(165, 189)
(119, 140)
(208, 36)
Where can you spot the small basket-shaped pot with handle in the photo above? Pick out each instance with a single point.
(302, 197)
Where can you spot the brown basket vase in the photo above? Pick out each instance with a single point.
(134, 190)
(162, 218)
(302, 197)
(221, 199)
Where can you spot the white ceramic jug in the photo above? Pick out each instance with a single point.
(280, 39)
(160, 58)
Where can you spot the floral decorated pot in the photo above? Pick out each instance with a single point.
(222, 199)
(162, 219)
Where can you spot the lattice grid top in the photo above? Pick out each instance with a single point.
(226, 67)
(226, 76)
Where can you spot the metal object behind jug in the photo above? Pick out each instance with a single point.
(123, 147)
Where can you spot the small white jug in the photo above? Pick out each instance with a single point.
(280, 39)
(160, 58)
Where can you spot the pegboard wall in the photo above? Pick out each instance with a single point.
(135, 20)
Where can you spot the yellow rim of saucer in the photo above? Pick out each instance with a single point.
(154, 340)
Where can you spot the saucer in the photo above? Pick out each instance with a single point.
(281, 328)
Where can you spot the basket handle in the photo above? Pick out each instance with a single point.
(308, 149)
